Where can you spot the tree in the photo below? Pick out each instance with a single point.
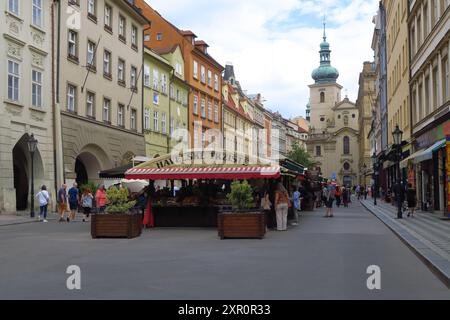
(299, 155)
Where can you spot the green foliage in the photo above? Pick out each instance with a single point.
(117, 201)
(299, 155)
(89, 185)
(241, 196)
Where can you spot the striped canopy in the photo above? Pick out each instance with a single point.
(215, 172)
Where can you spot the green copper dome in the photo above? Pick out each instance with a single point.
(325, 73)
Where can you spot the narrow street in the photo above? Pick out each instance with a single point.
(321, 259)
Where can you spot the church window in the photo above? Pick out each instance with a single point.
(346, 145)
(318, 151)
(346, 120)
(322, 97)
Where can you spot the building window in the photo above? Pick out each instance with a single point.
(146, 37)
(164, 83)
(216, 112)
(209, 78)
(178, 69)
(13, 81)
(92, 8)
(445, 81)
(146, 75)
(216, 82)
(133, 119)
(71, 98)
(346, 145)
(171, 92)
(210, 113)
(147, 119)
(203, 74)
(195, 70)
(36, 88)
(196, 105)
(120, 115)
(203, 108)
(163, 123)
(108, 17)
(122, 28)
(73, 45)
(13, 6)
(133, 81)
(121, 71)
(322, 97)
(106, 110)
(90, 104)
(37, 13)
(155, 79)
(156, 98)
(134, 41)
(318, 151)
(346, 166)
(107, 64)
(159, 37)
(91, 54)
(171, 125)
(155, 121)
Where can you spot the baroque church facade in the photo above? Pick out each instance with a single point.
(334, 127)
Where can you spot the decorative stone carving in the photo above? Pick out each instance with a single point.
(14, 24)
(14, 110)
(37, 60)
(37, 116)
(14, 28)
(38, 39)
(14, 50)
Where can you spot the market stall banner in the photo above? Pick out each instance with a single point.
(225, 173)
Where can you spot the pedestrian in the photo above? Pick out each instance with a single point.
(100, 199)
(74, 200)
(338, 196)
(281, 206)
(266, 206)
(366, 191)
(87, 200)
(296, 201)
(43, 197)
(345, 196)
(411, 198)
(358, 192)
(330, 197)
(62, 202)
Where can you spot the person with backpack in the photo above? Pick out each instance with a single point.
(74, 198)
(330, 197)
(87, 200)
(43, 197)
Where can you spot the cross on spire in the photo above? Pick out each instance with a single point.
(324, 28)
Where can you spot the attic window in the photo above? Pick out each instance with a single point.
(147, 37)
(159, 37)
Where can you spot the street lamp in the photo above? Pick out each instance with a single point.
(32, 146)
(398, 135)
(364, 172)
(375, 178)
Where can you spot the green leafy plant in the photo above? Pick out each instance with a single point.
(92, 186)
(299, 155)
(117, 201)
(241, 195)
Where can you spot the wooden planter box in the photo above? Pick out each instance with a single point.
(245, 225)
(116, 226)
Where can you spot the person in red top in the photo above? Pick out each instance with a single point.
(100, 199)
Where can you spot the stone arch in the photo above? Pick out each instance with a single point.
(22, 172)
(90, 160)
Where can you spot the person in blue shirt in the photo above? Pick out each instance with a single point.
(296, 197)
(74, 199)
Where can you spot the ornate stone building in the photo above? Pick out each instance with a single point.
(334, 130)
(25, 100)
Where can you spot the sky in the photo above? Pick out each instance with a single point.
(274, 44)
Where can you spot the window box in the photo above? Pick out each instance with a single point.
(134, 47)
(107, 76)
(108, 29)
(73, 58)
(92, 17)
(121, 83)
(122, 38)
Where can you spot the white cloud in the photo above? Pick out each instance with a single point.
(274, 44)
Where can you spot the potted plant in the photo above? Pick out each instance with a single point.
(120, 221)
(244, 221)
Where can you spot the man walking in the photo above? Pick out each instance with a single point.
(62, 202)
(296, 201)
(43, 197)
(74, 199)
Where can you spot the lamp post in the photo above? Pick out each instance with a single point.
(398, 135)
(375, 178)
(32, 146)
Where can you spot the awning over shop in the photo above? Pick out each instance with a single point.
(404, 162)
(217, 172)
(292, 166)
(427, 154)
(115, 173)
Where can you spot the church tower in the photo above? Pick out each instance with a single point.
(325, 93)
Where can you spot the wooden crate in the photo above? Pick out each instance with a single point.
(116, 226)
(251, 225)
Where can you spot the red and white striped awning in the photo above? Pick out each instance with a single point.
(224, 173)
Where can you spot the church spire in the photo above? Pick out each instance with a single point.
(325, 73)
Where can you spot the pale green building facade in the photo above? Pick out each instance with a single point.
(165, 99)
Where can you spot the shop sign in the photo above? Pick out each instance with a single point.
(427, 139)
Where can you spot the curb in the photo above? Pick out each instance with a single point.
(439, 266)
